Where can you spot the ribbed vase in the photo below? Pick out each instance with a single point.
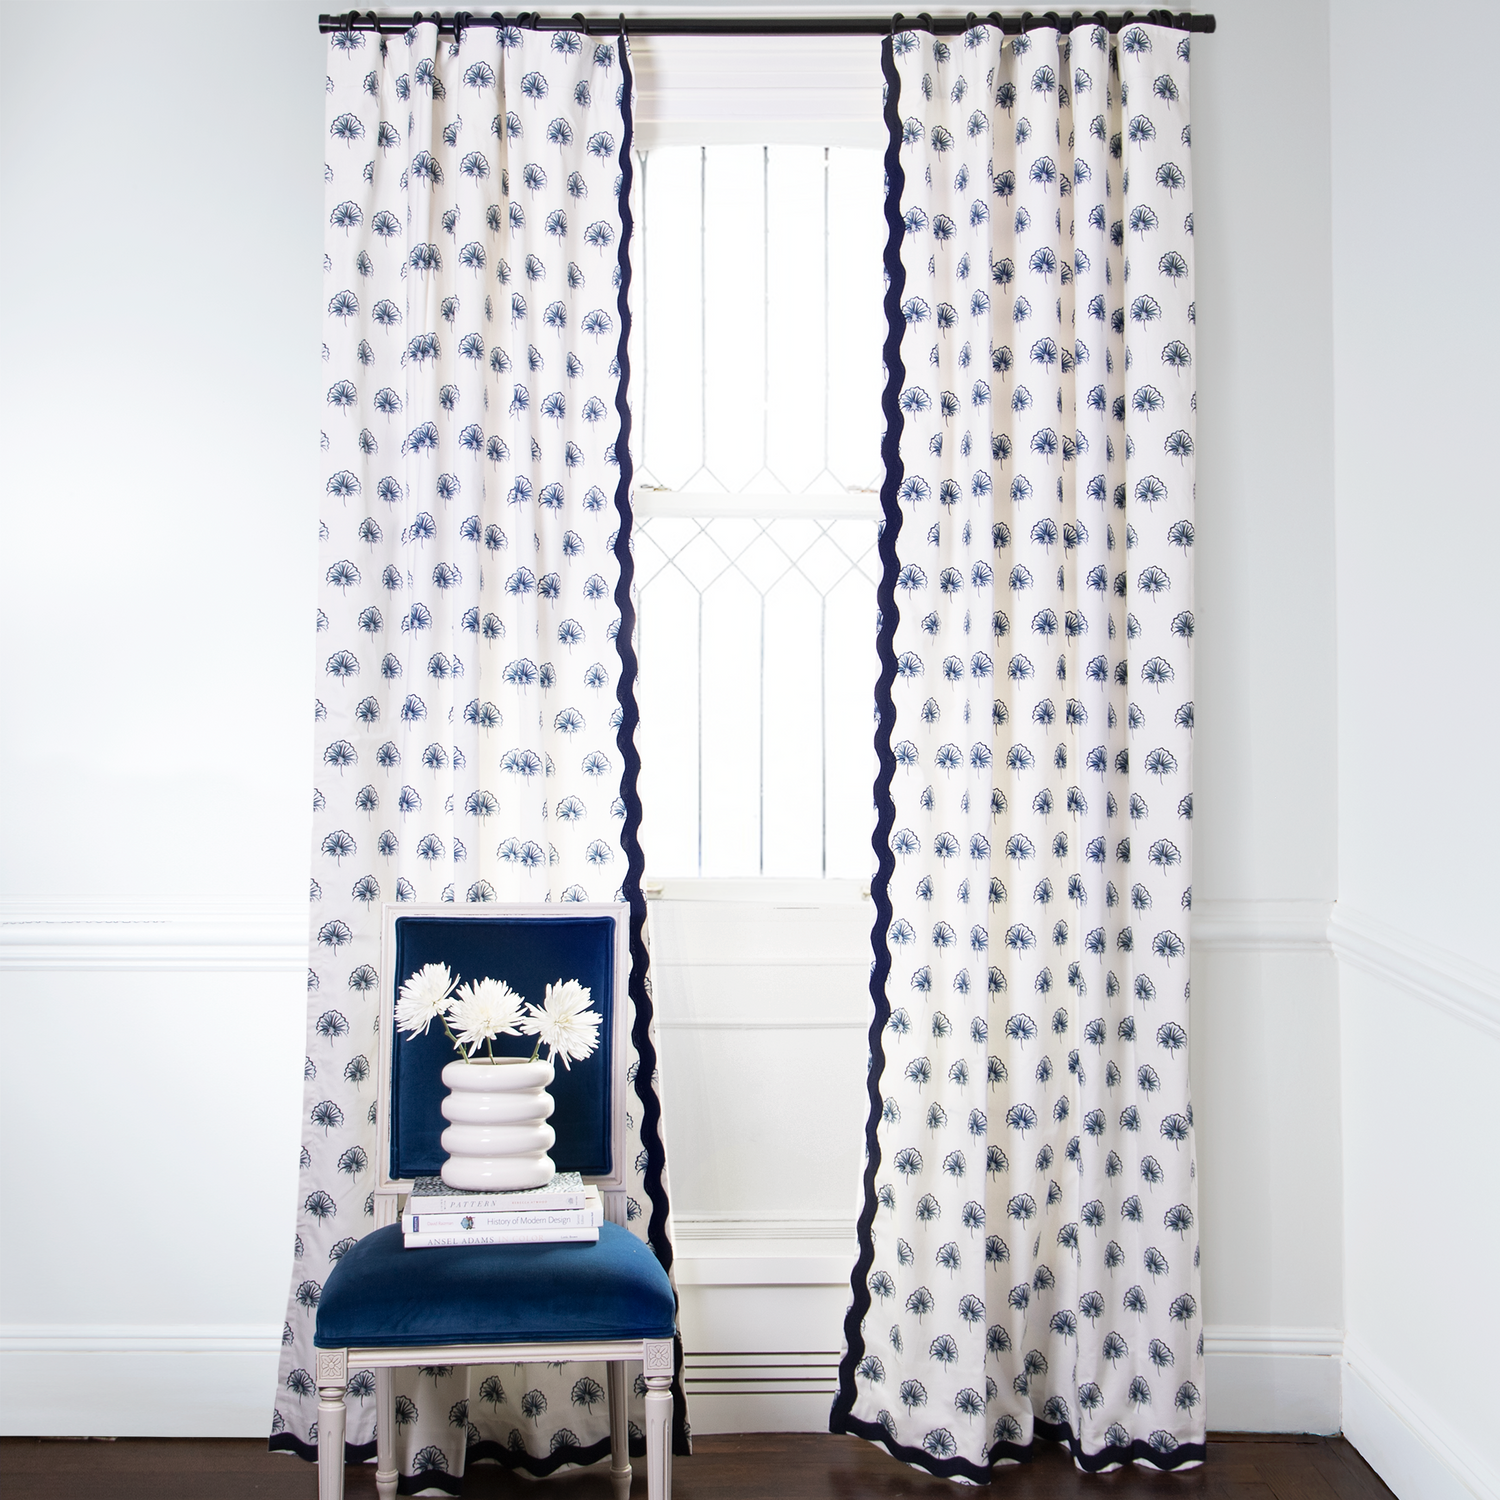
(498, 1137)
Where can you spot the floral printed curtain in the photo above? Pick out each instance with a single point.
(475, 713)
(1028, 1261)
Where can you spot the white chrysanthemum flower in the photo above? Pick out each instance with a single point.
(485, 1009)
(424, 998)
(565, 1022)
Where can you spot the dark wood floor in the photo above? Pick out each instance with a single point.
(787, 1466)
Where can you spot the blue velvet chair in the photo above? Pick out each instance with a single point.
(385, 1307)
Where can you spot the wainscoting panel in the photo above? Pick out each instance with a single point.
(762, 998)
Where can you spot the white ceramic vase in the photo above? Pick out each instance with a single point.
(498, 1136)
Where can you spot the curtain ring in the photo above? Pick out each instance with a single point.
(926, 20)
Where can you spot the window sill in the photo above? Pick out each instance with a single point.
(759, 891)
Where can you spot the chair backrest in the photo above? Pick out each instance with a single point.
(528, 947)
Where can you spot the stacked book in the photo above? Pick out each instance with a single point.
(563, 1210)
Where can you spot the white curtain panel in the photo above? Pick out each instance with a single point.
(470, 702)
(1029, 1255)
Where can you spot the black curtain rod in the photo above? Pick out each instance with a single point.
(770, 26)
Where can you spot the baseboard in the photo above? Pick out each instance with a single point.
(1260, 1379)
(194, 1381)
(763, 1337)
(1410, 1446)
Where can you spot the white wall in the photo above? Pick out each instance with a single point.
(1265, 845)
(1416, 222)
(162, 265)
(157, 569)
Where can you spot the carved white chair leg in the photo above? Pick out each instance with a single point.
(659, 1362)
(333, 1376)
(619, 1429)
(385, 1434)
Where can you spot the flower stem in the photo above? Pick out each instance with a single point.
(457, 1045)
(536, 1049)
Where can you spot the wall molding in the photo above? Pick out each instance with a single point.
(257, 1338)
(172, 935)
(1303, 1343)
(1466, 991)
(758, 890)
(142, 1338)
(762, 1023)
(688, 1228)
(1451, 984)
(1261, 926)
(1411, 1447)
(189, 935)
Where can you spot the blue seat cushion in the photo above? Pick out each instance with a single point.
(382, 1296)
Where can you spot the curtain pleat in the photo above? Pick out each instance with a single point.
(476, 710)
(1028, 1245)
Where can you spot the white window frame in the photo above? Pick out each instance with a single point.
(713, 91)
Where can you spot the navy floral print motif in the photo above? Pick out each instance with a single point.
(468, 665)
(1030, 1265)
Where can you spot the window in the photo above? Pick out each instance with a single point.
(756, 376)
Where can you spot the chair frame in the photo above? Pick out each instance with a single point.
(657, 1356)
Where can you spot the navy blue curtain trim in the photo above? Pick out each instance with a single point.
(630, 717)
(839, 1419)
(289, 1442)
(447, 1484)
(488, 1451)
(1045, 1432)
